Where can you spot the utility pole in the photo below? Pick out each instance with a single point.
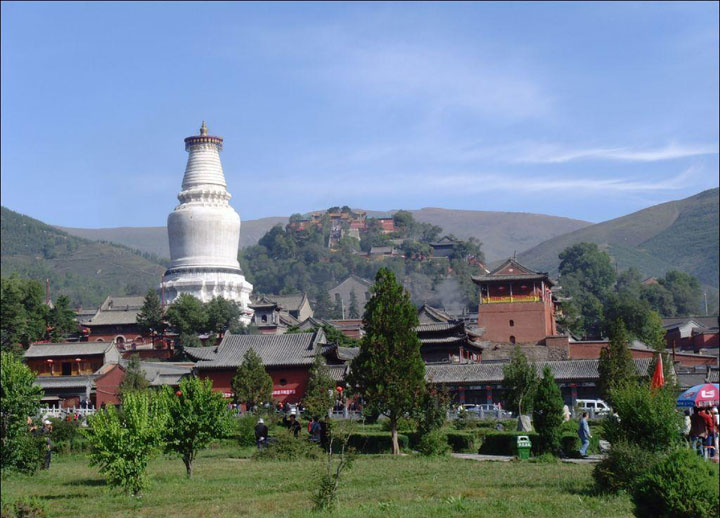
(706, 308)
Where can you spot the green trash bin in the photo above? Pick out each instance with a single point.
(523, 447)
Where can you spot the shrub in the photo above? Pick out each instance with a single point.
(67, 437)
(433, 443)
(622, 467)
(647, 417)
(245, 430)
(504, 443)
(286, 447)
(461, 441)
(25, 508)
(680, 485)
(404, 425)
(375, 442)
(570, 444)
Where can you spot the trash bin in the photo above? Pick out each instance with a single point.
(523, 447)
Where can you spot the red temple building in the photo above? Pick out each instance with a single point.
(516, 305)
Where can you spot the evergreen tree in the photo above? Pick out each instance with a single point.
(616, 366)
(548, 413)
(197, 415)
(354, 307)
(150, 319)
(520, 381)
(318, 399)
(187, 315)
(389, 372)
(134, 380)
(61, 319)
(324, 307)
(251, 384)
(23, 318)
(20, 399)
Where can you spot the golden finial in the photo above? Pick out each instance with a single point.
(203, 129)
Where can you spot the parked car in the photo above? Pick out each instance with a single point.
(598, 406)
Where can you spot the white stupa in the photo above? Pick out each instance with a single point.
(204, 231)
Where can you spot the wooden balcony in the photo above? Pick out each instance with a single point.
(513, 299)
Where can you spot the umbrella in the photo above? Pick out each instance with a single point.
(701, 396)
(658, 379)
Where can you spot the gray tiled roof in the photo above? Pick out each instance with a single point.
(493, 372)
(289, 302)
(434, 313)
(67, 349)
(337, 372)
(712, 375)
(117, 311)
(348, 353)
(274, 350)
(430, 327)
(703, 321)
(57, 382)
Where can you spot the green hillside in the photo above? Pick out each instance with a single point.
(86, 271)
(680, 235)
(501, 233)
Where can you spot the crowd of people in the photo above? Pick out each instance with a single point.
(702, 430)
(317, 429)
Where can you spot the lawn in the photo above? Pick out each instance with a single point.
(228, 484)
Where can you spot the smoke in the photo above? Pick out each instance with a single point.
(449, 296)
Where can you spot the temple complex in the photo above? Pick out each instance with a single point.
(204, 231)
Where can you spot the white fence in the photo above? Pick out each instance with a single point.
(61, 413)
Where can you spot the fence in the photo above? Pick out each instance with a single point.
(62, 412)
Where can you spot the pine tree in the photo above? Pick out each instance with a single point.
(616, 366)
(150, 319)
(354, 307)
(252, 384)
(520, 381)
(548, 413)
(134, 380)
(61, 319)
(318, 399)
(389, 372)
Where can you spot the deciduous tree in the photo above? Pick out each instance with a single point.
(389, 371)
(20, 399)
(150, 319)
(134, 380)
(197, 415)
(520, 380)
(123, 442)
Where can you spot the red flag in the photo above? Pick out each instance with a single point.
(658, 380)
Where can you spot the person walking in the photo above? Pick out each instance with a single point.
(698, 432)
(47, 430)
(584, 434)
(261, 433)
(710, 439)
(315, 430)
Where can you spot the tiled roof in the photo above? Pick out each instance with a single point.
(712, 375)
(57, 382)
(434, 313)
(134, 302)
(117, 311)
(523, 273)
(493, 372)
(289, 302)
(348, 353)
(274, 350)
(67, 349)
(703, 321)
(337, 372)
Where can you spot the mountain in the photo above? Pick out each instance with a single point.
(86, 271)
(680, 235)
(155, 239)
(502, 233)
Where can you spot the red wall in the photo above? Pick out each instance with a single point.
(107, 385)
(296, 379)
(591, 351)
(532, 321)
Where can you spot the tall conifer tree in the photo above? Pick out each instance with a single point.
(389, 372)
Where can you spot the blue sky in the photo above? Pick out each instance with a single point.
(583, 110)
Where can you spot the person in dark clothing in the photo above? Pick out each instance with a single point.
(261, 433)
(324, 432)
(294, 425)
(315, 430)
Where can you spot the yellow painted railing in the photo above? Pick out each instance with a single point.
(515, 298)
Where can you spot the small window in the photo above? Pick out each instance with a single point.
(67, 369)
(512, 339)
(512, 323)
(283, 382)
(591, 405)
(264, 318)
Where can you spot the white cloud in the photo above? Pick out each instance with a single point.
(553, 154)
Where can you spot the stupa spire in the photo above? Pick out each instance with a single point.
(203, 129)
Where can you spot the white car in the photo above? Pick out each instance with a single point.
(599, 406)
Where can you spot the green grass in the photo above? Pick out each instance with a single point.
(228, 484)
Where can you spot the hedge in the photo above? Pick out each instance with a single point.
(503, 443)
(461, 441)
(375, 442)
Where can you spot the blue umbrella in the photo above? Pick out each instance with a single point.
(705, 395)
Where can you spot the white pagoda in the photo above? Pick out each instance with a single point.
(204, 232)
